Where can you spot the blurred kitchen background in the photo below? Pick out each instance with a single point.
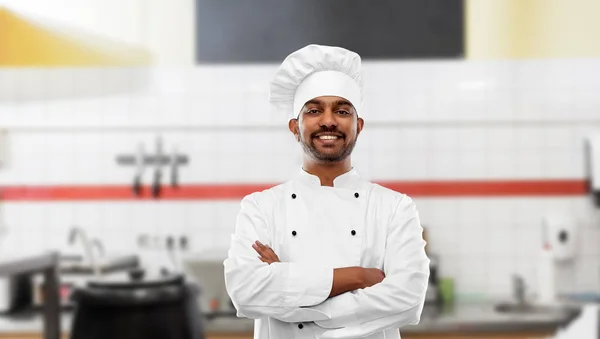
(131, 129)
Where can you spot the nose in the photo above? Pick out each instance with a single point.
(328, 119)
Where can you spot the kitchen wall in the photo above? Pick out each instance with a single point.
(532, 29)
(436, 120)
(165, 29)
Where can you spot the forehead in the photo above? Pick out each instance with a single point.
(328, 101)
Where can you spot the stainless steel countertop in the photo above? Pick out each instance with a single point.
(461, 318)
(484, 318)
(475, 317)
(32, 263)
(29, 323)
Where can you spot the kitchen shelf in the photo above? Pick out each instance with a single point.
(46, 264)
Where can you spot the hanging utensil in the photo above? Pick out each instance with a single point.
(156, 187)
(174, 169)
(140, 165)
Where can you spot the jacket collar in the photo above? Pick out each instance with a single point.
(350, 179)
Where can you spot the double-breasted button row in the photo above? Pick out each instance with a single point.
(353, 232)
(294, 233)
(356, 195)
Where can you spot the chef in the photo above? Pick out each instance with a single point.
(326, 254)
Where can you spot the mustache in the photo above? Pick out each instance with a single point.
(323, 129)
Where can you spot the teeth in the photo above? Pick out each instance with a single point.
(328, 137)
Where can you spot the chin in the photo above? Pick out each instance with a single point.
(329, 154)
(329, 157)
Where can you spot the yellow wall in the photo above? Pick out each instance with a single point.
(494, 29)
(497, 29)
(23, 43)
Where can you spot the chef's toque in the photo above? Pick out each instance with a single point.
(315, 71)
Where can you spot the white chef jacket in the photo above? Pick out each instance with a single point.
(314, 229)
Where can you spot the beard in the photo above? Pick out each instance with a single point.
(310, 148)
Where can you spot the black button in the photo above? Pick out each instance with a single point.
(300, 326)
(294, 233)
(293, 195)
(563, 236)
(353, 232)
(356, 195)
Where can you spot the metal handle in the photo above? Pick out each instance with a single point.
(519, 288)
(156, 188)
(156, 184)
(174, 170)
(139, 163)
(137, 185)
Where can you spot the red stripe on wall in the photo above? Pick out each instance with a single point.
(497, 188)
(490, 188)
(188, 192)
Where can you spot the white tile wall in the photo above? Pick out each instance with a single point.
(424, 121)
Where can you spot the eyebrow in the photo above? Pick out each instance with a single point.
(340, 102)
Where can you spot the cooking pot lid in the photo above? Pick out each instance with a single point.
(137, 278)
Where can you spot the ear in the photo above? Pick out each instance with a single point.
(293, 126)
(359, 125)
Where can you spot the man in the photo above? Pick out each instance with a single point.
(326, 254)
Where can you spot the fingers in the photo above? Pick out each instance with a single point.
(269, 254)
(266, 253)
(268, 260)
(260, 248)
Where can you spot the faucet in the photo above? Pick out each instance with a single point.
(78, 232)
(98, 244)
(519, 289)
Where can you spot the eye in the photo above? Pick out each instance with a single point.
(312, 111)
(343, 112)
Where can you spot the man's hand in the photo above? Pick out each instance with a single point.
(266, 253)
(371, 276)
(348, 279)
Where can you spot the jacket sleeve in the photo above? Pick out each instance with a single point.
(362, 330)
(279, 290)
(398, 300)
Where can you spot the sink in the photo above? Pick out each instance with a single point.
(530, 308)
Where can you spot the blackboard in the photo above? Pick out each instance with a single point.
(249, 31)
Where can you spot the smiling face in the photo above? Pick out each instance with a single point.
(327, 128)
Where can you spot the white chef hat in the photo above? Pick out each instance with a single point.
(314, 71)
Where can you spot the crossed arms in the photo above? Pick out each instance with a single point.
(355, 301)
(345, 279)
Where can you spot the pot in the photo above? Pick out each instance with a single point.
(137, 307)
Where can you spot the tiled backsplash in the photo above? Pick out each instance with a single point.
(424, 121)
